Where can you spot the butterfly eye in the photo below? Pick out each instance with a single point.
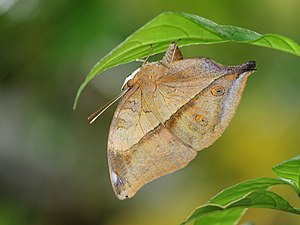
(218, 91)
(129, 80)
(130, 83)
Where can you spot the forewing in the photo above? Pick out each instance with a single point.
(185, 79)
(198, 99)
(201, 121)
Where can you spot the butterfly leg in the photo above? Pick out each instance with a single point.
(150, 52)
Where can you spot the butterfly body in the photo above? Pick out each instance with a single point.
(171, 110)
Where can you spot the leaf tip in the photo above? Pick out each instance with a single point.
(79, 93)
(76, 100)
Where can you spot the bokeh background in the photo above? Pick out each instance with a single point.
(53, 165)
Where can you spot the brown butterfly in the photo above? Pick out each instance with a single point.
(170, 110)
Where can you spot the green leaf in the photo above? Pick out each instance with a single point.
(230, 214)
(228, 206)
(190, 29)
(221, 217)
(265, 199)
(214, 210)
(213, 214)
(240, 190)
(289, 171)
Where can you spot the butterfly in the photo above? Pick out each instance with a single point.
(168, 111)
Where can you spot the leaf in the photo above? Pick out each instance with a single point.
(230, 214)
(265, 199)
(221, 217)
(238, 191)
(214, 209)
(228, 206)
(190, 29)
(289, 171)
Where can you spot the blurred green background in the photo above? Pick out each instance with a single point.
(53, 165)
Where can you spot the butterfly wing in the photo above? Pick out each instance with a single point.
(202, 99)
(159, 127)
(183, 80)
(140, 147)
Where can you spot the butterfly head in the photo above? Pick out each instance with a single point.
(128, 83)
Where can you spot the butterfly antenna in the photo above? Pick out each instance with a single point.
(98, 113)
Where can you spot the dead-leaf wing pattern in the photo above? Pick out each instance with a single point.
(157, 153)
(161, 99)
(201, 121)
(130, 122)
(184, 80)
(162, 122)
